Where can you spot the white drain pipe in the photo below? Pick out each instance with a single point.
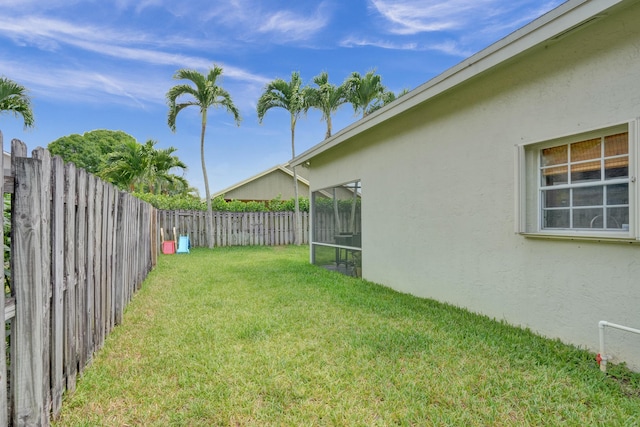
(602, 356)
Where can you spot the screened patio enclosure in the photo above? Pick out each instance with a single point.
(336, 239)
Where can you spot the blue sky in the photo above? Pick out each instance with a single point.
(107, 64)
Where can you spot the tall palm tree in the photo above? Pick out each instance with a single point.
(14, 99)
(364, 91)
(326, 97)
(205, 93)
(291, 97)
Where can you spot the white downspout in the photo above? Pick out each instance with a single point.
(602, 356)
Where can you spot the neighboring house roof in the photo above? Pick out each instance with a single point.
(549, 28)
(241, 190)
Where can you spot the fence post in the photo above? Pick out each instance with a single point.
(97, 273)
(57, 285)
(83, 328)
(28, 335)
(44, 158)
(90, 267)
(4, 413)
(70, 275)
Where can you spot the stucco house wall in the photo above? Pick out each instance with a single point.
(439, 188)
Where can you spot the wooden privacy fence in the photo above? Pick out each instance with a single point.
(79, 250)
(235, 228)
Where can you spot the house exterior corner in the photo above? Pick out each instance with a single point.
(457, 206)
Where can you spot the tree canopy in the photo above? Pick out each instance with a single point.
(89, 151)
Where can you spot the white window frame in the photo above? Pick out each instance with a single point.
(528, 208)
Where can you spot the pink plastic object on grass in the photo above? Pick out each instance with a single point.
(168, 247)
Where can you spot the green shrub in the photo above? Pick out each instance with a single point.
(219, 204)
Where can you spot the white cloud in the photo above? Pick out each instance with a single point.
(294, 26)
(50, 34)
(450, 47)
(22, 6)
(408, 17)
(87, 85)
(382, 44)
(416, 16)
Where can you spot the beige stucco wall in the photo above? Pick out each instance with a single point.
(438, 191)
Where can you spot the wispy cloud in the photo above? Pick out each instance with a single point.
(382, 44)
(85, 85)
(23, 6)
(448, 47)
(138, 5)
(407, 17)
(96, 78)
(416, 16)
(294, 26)
(50, 34)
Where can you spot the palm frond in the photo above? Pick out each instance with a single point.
(15, 100)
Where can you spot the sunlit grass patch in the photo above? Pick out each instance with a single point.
(258, 336)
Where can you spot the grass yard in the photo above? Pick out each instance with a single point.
(258, 337)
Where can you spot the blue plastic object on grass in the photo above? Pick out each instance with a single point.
(183, 245)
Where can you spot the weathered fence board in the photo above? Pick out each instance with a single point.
(57, 284)
(81, 267)
(4, 415)
(27, 363)
(70, 275)
(80, 249)
(233, 228)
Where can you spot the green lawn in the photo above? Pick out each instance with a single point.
(258, 337)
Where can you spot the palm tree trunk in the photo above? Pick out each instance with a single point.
(209, 231)
(328, 134)
(297, 219)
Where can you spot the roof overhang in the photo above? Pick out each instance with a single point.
(570, 16)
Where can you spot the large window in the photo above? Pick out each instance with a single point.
(579, 185)
(585, 184)
(336, 228)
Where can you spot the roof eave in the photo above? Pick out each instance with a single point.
(548, 28)
(282, 167)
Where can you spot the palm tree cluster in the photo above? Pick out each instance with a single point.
(143, 168)
(365, 93)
